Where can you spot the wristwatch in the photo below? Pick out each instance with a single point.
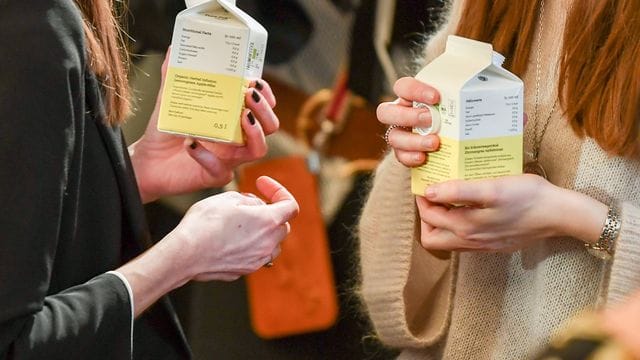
(604, 247)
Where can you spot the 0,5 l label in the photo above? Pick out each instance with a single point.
(202, 104)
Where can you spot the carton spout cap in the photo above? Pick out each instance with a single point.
(435, 119)
(498, 59)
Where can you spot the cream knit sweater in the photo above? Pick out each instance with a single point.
(497, 306)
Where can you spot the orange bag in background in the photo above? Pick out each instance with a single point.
(297, 295)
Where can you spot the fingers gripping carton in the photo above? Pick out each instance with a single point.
(216, 49)
(479, 117)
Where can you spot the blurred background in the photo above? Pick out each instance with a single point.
(329, 63)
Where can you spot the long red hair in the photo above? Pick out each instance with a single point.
(599, 82)
(107, 56)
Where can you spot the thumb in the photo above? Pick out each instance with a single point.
(165, 63)
(205, 158)
(283, 204)
(153, 120)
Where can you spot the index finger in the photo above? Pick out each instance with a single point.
(265, 89)
(463, 192)
(283, 204)
(411, 89)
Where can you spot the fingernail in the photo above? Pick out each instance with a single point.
(429, 95)
(259, 85)
(430, 193)
(252, 119)
(193, 145)
(427, 143)
(423, 117)
(255, 96)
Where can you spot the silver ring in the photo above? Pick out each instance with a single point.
(386, 133)
(269, 263)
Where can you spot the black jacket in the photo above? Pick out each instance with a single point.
(69, 205)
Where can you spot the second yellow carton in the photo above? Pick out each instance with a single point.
(480, 116)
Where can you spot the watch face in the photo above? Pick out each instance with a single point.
(599, 253)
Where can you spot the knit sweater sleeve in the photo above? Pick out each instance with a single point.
(625, 269)
(406, 289)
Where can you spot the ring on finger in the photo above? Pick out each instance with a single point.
(269, 263)
(388, 132)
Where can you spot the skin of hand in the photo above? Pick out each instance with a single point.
(623, 323)
(502, 214)
(166, 164)
(409, 148)
(505, 214)
(220, 238)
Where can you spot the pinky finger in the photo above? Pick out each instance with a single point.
(440, 239)
(276, 252)
(410, 158)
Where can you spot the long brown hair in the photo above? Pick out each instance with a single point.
(107, 55)
(599, 83)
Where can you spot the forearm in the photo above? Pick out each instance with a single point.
(145, 196)
(156, 272)
(577, 215)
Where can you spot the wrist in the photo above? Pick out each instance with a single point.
(578, 215)
(134, 154)
(156, 272)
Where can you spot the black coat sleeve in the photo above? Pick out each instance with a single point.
(42, 106)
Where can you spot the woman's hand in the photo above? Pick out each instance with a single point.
(409, 148)
(505, 214)
(165, 164)
(220, 238)
(233, 234)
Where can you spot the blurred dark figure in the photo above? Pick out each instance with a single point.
(150, 24)
(412, 21)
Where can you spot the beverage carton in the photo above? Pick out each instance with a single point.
(479, 118)
(215, 51)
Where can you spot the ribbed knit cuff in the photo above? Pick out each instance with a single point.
(387, 238)
(386, 233)
(625, 269)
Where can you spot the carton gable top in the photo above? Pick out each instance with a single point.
(495, 78)
(461, 61)
(239, 16)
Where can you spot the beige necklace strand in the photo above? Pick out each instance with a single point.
(533, 166)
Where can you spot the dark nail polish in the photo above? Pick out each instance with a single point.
(252, 119)
(259, 85)
(193, 145)
(255, 96)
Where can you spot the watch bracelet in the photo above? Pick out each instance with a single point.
(609, 234)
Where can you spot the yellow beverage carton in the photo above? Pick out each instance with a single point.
(479, 118)
(215, 51)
